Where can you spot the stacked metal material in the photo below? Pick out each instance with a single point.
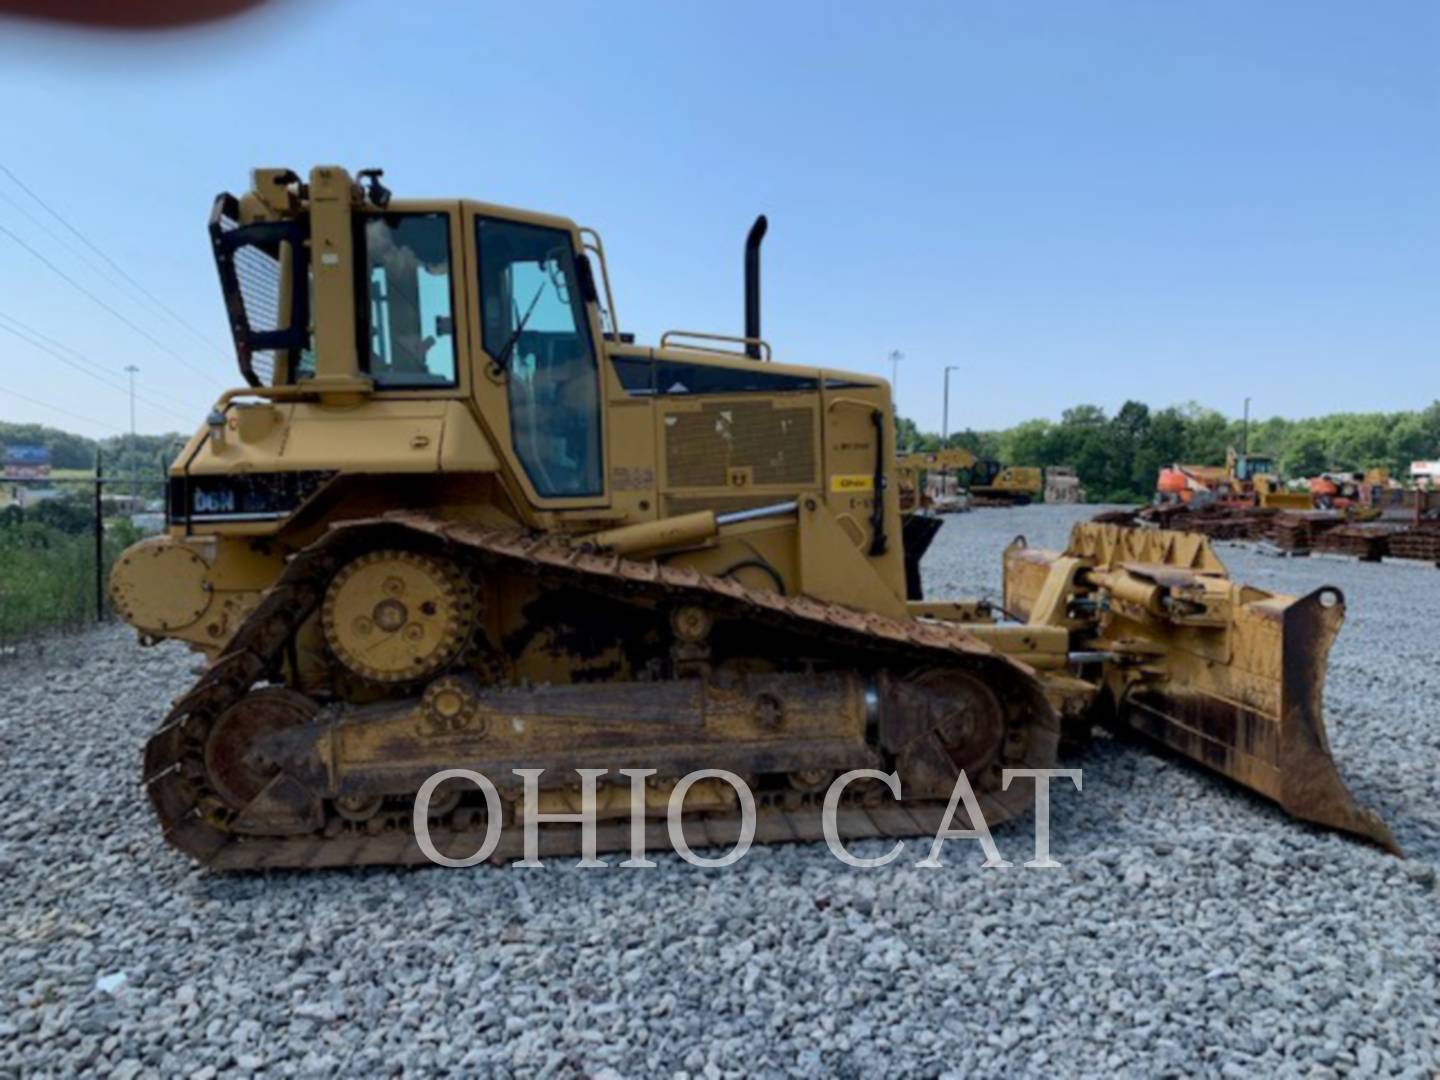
(1420, 542)
(1369, 543)
(1298, 532)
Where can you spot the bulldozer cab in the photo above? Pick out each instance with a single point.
(1251, 467)
(384, 309)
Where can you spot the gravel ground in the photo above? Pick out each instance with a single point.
(1191, 929)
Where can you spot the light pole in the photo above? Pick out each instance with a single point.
(131, 369)
(945, 430)
(945, 409)
(895, 357)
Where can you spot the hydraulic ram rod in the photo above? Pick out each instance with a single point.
(736, 517)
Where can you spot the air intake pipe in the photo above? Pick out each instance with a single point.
(752, 286)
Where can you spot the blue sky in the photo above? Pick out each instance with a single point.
(1070, 201)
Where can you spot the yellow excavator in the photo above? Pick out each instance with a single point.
(993, 484)
(455, 517)
(987, 482)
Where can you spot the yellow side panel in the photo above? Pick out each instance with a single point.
(398, 438)
(833, 569)
(376, 437)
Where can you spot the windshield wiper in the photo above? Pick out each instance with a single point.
(503, 360)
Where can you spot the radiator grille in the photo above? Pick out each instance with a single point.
(777, 445)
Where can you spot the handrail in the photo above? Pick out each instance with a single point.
(286, 392)
(599, 249)
(879, 542)
(761, 342)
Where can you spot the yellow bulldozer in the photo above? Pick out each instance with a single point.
(455, 517)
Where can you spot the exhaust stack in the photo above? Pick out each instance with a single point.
(752, 286)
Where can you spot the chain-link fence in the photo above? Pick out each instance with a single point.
(58, 536)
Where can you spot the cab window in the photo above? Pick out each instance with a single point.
(411, 330)
(535, 330)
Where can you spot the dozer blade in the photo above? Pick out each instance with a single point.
(1258, 720)
(1227, 675)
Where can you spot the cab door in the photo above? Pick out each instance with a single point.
(537, 376)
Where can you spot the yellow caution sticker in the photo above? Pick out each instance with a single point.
(860, 482)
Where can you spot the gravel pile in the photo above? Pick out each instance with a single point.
(1192, 928)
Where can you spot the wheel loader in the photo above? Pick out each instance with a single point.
(456, 518)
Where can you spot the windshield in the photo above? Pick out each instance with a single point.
(535, 329)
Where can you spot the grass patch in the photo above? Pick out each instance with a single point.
(47, 567)
(46, 587)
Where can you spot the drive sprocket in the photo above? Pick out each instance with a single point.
(396, 616)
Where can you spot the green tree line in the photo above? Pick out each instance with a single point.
(1118, 457)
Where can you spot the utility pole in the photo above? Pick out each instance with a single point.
(945, 430)
(1245, 431)
(99, 535)
(131, 369)
(895, 357)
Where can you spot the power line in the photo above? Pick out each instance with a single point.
(109, 261)
(29, 333)
(54, 235)
(105, 275)
(133, 326)
(85, 371)
(62, 412)
(94, 370)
